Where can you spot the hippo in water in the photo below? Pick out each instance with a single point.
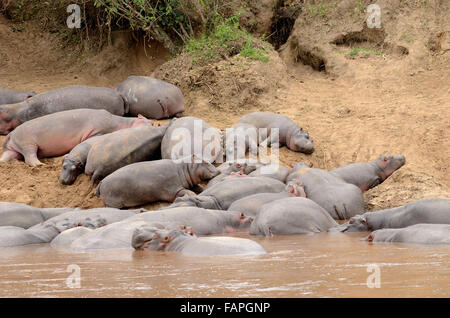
(151, 181)
(341, 199)
(122, 148)
(74, 162)
(221, 195)
(435, 211)
(192, 135)
(25, 216)
(289, 133)
(151, 97)
(293, 215)
(145, 238)
(67, 98)
(415, 234)
(11, 97)
(369, 174)
(57, 134)
(252, 204)
(203, 222)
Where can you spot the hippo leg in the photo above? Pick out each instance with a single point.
(9, 155)
(30, 155)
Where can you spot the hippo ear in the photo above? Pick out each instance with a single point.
(140, 116)
(292, 165)
(155, 235)
(311, 164)
(363, 220)
(166, 239)
(370, 237)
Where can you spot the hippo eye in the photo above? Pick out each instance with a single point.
(351, 221)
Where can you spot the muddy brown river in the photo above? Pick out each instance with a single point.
(321, 265)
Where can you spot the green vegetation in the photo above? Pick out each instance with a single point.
(365, 52)
(226, 38)
(319, 10)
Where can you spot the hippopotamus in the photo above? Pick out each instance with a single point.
(341, 199)
(25, 216)
(221, 195)
(46, 231)
(435, 211)
(370, 174)
(289, 133)
(192, 135)
(414, 234)
(75, 161)
(204, 222)
(67, 98)
(150, 181)
(145, 238)
(11, 236)
(295, 215)
(122, 148)
(65, 238)
(246, 166)
(252, 204)
(273, 170)
(151, 97)
(11, 97)
(91, 217)
(57, 134)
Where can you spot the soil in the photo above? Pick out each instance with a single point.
(392, 97)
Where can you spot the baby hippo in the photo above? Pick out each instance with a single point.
(151, 181)
(414, 234)
(75, 161)
(148, 238)
(291, 216)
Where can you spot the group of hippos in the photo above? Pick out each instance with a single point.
(111, 134)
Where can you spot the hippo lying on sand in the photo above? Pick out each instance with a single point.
(25, 216)
(290, 134)
(151, 181)
(252, 204)
(291, 216)
(75, 161)
(122, 148)
(191, 135)
(57, 134)
(341, 199)
(10, 97)
(370, 174)
(178, 241)
(221, 195)
(67, 98)
(414, 234)
(118, 235)
(432, 211)
(151, 97)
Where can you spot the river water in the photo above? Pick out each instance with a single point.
(320, 265)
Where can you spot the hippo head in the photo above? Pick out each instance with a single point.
(145, 237)
(26, 95)
(358, 223)
(150, 238)
(240, 221)
(389, 164)
(7, 120)
(301, 142)
(295, 190)
(204, 171)
(142, 121)
(70, 171)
